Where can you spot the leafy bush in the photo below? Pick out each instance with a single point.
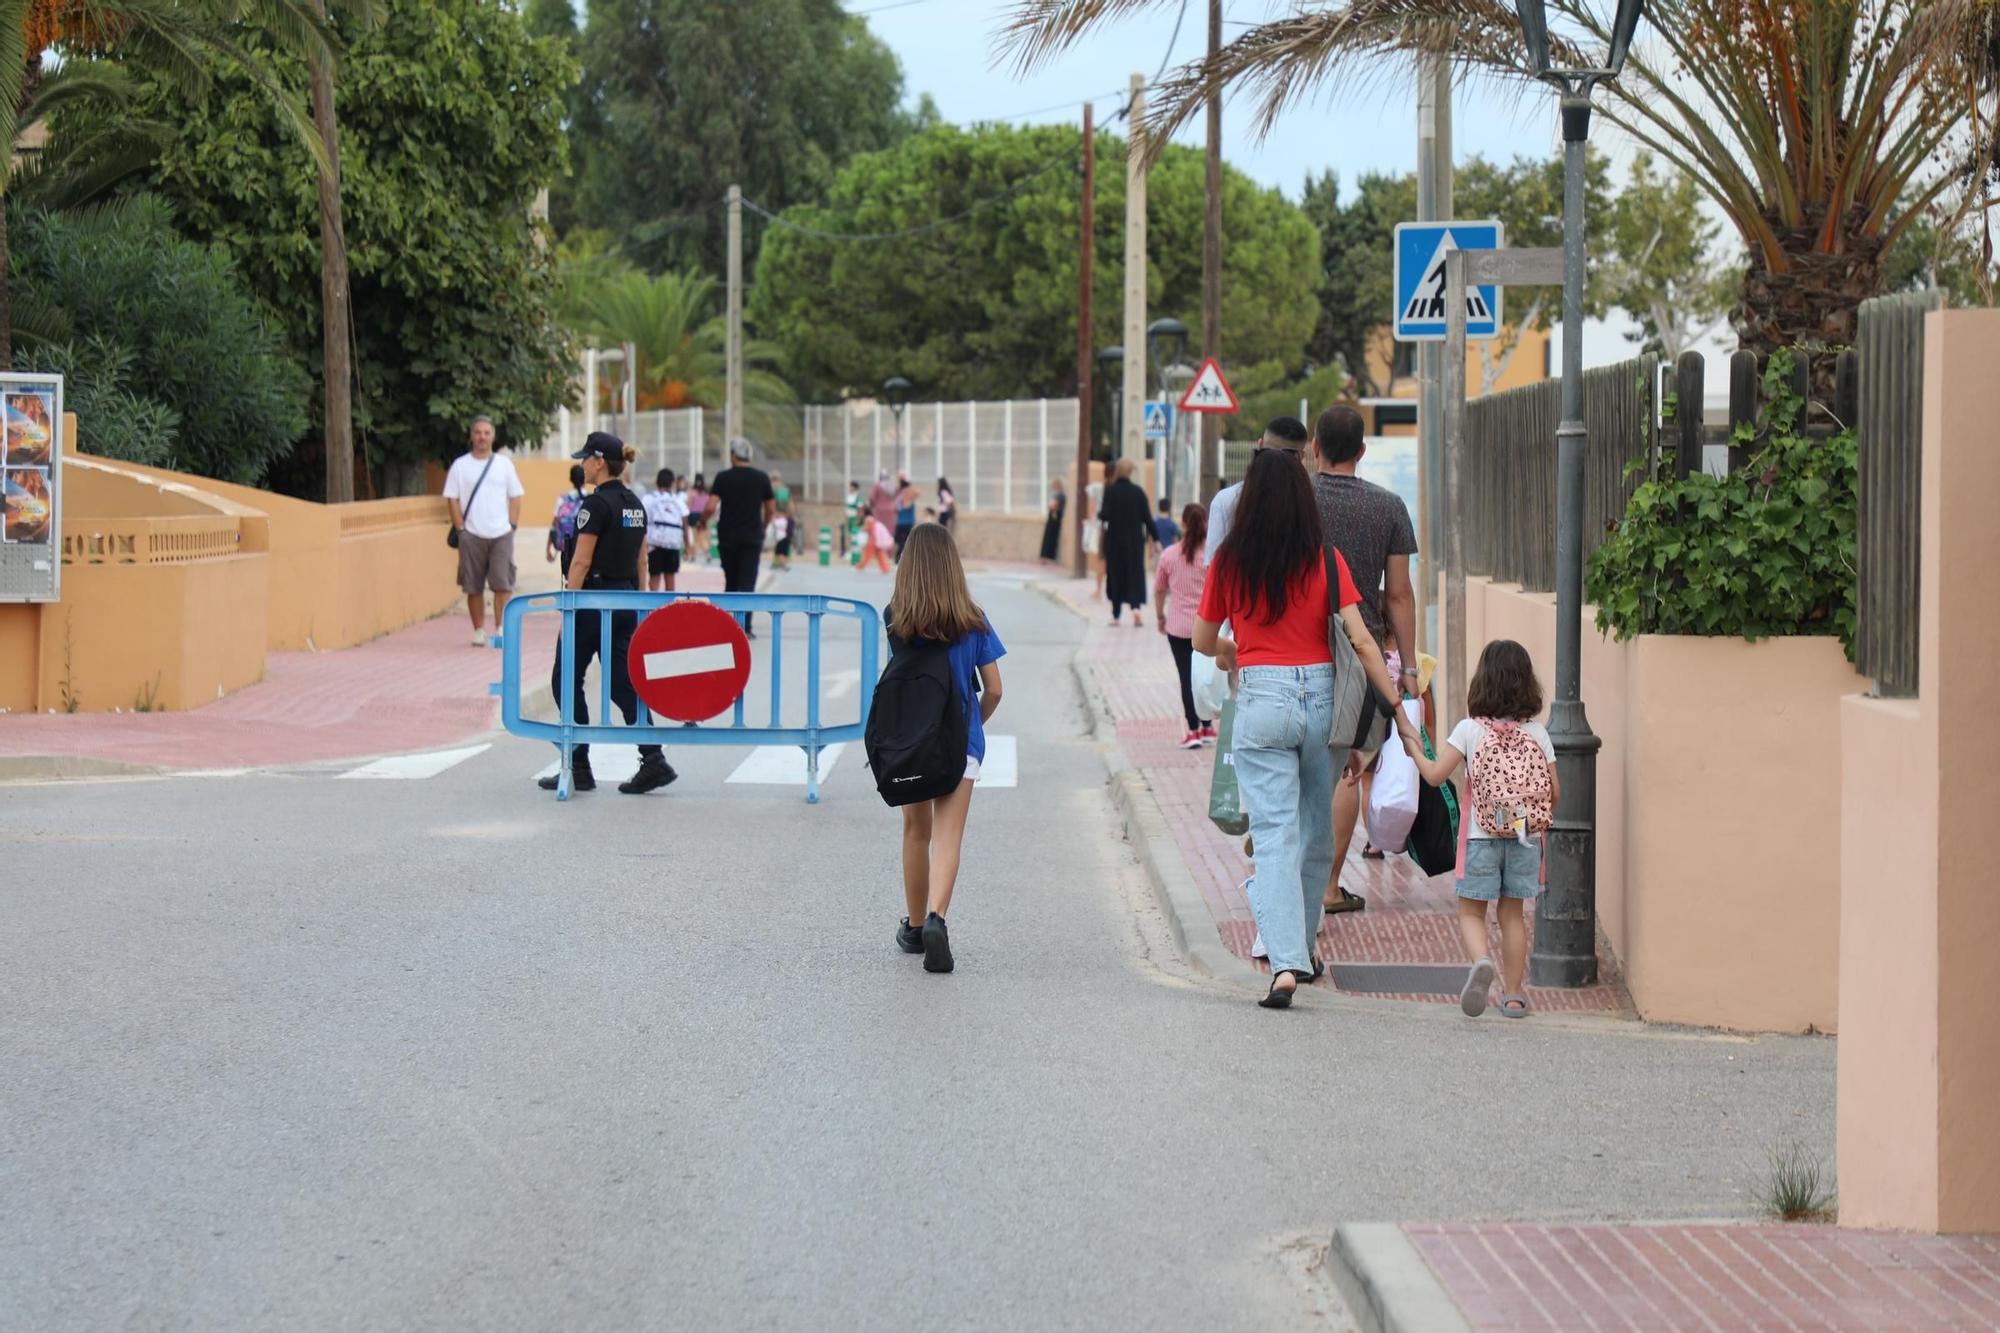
(112, 419)
(155, 317)
(1768, 550)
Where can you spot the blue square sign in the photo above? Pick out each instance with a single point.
(1159, 419)
(1419, 283)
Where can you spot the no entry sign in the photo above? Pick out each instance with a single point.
(689, 661)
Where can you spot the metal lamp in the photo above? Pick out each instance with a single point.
(897, 390)
(1565, 952)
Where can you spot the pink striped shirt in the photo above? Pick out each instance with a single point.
(1181, 579)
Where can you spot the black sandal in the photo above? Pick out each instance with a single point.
(1349, 902)
(1280, 999)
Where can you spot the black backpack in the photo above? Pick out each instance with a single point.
(916, 725)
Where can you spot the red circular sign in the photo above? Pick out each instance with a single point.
(689, 661)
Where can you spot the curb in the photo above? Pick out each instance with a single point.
(71, 767)
(1386, 1283)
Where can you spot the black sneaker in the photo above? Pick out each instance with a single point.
(909, 938)
(651, 775)
(580, 779)
(937, 945)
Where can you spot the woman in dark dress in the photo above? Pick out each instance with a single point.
(1052, 530)
(1128, 526)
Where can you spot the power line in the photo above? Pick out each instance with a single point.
(920, 230)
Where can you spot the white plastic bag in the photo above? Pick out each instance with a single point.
(1392, 794)
(1210, 686)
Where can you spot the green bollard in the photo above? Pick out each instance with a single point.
(825, 547)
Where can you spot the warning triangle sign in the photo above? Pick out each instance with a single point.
(1210, 392)
(1426, 304)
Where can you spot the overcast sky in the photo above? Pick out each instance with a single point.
(947, 50)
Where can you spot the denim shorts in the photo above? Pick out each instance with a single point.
(1500, 868)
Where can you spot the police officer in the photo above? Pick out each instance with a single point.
(607, 552)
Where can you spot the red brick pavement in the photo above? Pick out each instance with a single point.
(1717, 1277)
(420, 688)
(1410, 918)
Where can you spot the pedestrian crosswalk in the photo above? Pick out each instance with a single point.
(407, 767)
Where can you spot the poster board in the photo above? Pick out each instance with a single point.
(31, 453)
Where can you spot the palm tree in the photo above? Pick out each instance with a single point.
(1823, 129)
(177, 40)
(669, 320)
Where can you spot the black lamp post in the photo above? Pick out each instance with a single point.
(1109, 359)
(1166, 341)
(1566, 919)
(897, 390)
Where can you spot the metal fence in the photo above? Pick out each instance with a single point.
(1509, 468)
(1889, 481)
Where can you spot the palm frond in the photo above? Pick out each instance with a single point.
(1037, 31)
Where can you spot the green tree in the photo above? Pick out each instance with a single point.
(979, 301)
(671, 321)
(1822, 129)
(1664, 270)
(172, 321)
(451, 125)
(682, 98)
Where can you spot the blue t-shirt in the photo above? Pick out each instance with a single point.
(906, 515)
(1165, 531)
(973, 651)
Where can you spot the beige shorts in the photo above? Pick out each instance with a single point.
(485, 562)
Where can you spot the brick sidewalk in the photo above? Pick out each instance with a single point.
(1529, 1277)
(1410, 918)
(420, 688)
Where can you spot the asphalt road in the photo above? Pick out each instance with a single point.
(284, 1050)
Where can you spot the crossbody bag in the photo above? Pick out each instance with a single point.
(451, 534)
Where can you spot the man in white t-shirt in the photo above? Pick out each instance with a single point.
(484, 492)
(1280, 433)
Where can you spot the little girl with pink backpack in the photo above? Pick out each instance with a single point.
(1510, 802)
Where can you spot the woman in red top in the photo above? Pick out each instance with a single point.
(1268, 580)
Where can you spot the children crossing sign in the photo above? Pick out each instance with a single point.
(1419, 279)
(1210, 392)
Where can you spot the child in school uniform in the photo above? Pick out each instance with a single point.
(931, 605)
(1503, 825)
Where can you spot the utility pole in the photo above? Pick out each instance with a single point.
(1434, 181)
(1210, 467)
(732, 412)
(1132, 439)
(1086, 241)
(336, 345)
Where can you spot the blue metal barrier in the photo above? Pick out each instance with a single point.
(812, 737)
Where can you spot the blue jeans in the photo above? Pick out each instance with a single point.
(1283, 715)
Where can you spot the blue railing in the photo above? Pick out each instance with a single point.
(811, 738)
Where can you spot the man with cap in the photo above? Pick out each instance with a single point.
(1281, 433)
(748, 505)
(607, 552)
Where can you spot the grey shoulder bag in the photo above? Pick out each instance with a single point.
(1355, 702)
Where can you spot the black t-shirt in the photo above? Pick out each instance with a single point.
(613, 515)
(741, 491)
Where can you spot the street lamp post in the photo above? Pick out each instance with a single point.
(1109, 359)
(897, 390)
(1166, 340)
(1566, 919)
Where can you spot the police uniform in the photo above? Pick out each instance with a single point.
(613, 515)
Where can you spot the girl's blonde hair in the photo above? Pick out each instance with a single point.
(931, 600)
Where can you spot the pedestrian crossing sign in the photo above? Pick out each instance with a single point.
(1159, 421)
(1421, 248)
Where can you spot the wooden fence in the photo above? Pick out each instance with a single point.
(1509, 469)
(1889, 444)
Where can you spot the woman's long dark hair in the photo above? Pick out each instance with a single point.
(1194, 531)
(1274, 536)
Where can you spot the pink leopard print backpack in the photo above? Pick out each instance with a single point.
(1510, 782)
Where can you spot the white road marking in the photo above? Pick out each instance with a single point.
(604, 759)
(416, 766)
(783, 765)
(1001, 766)
(690, 661)
(840, 684)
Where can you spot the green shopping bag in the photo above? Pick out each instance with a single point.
(1225, 798)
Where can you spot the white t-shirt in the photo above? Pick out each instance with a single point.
(1220, 510)
(666, 519)
(1465, 738)
(486, 516)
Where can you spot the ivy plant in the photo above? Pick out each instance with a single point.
(1768, 550)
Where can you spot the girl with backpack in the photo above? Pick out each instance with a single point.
(935, 629)
(1502, 839)
(1286, 593)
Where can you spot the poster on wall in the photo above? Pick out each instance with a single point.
(30, 485)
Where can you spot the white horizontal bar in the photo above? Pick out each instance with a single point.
(690, 661)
